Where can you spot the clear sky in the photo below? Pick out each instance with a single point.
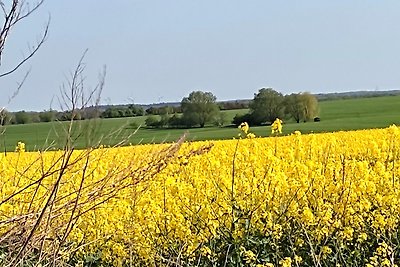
(161, 50)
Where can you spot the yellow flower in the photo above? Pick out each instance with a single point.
(299, 242)
(362, 237)
(326, 250)
(20, 147)
(298, 259)
(251, 135)
(386, 263)
(276, 126)
(333, 185)
(206, 251)
(286, 262)
(348, 233)
(244, 127)
(308, 216)
(249, 256)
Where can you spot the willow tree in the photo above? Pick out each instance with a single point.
(301, 106)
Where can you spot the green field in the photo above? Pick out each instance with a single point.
(336, 115)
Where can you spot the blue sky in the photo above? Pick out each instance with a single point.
(162, 50)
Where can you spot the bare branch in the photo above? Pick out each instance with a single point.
(19, 86)
(25, 11)
(31, 53)
(18, 11)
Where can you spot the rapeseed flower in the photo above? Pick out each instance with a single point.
(20, 147)
(276, 127)
(333, 186)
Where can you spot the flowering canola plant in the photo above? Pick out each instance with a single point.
(244, 130)
(20, 147)
(329, 199)
(276, 126)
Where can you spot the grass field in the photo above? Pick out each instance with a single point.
(336, 115)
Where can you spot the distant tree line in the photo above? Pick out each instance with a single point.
(235, 104)
(25, 117)
(200, 108)
(120, 112)
(163, 110)
(357, 94)
(196, 110)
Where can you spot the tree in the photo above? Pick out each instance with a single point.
(220, 119)
(111, 112)
(294, 107)
(310, 106)
(47, 115)
(175, 121)
(266, 106)
(136, 110)
(22, 117)
(151, 121)
(301, 107)
(199, 108)
(240, 118)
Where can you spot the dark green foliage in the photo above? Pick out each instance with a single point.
(168, 121)
(220, 119)
(269, 104)
(236, 104)
(120, 112)
(22, 117)
(151, 121)
(163, 110)
(47, 116)
(175, 121)
(199, 108)
(111, 113)
(136, 110)
(266, 106)
(68, 115)
(239, 118)
(157, 122)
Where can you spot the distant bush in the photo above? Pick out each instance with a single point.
(22, 117)
(176, 121)
(248, 117)
(47, 116)
(219, 119)
(167, 121)
(152, 121)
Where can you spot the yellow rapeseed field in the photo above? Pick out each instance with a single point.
(328, 199)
